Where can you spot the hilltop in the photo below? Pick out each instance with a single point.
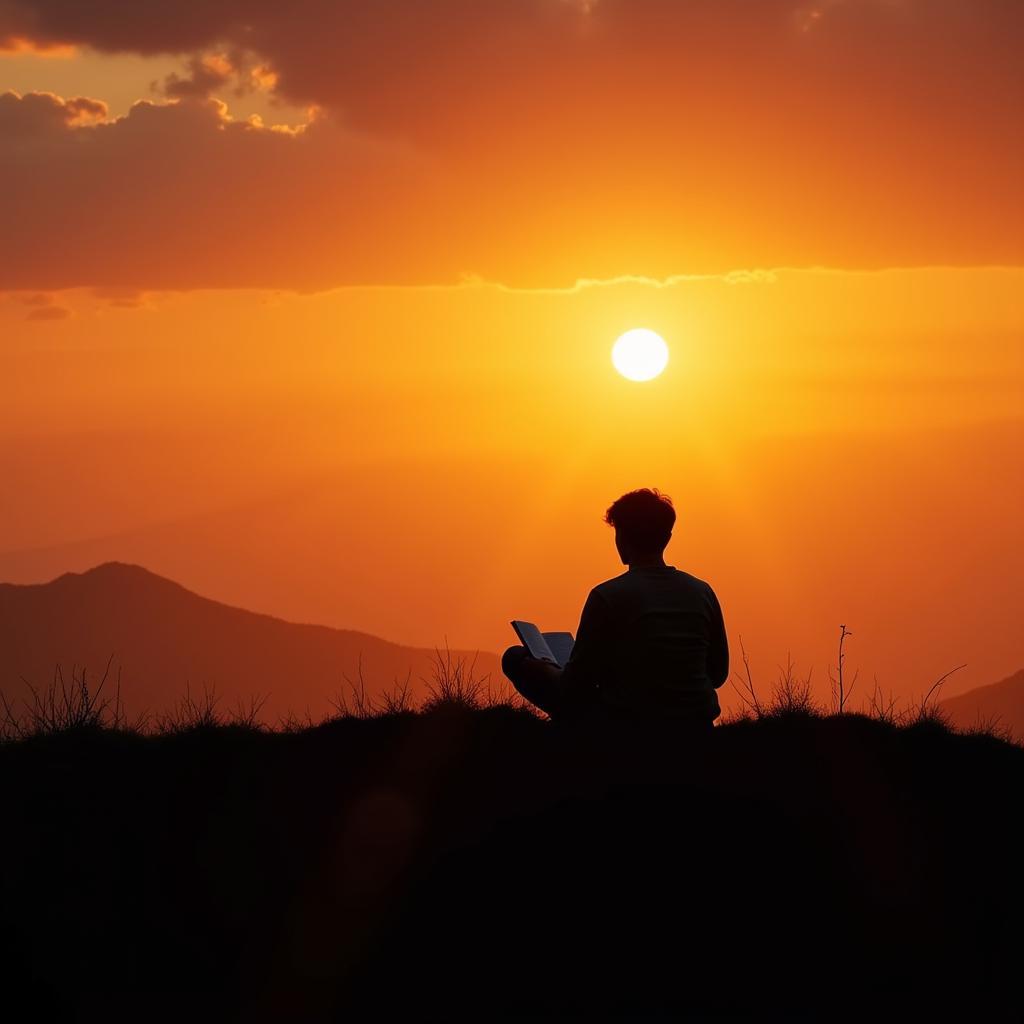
(485, 864)
(164, 638)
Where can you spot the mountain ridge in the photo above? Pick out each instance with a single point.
(129, 569)
(165, 637)
(1000, 704)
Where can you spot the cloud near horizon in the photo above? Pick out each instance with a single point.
(531, 142)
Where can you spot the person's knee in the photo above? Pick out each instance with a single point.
(512, 661)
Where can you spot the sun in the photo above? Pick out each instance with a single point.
(640, 354)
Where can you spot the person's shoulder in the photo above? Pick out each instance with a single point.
(695, 582)
(612, 586)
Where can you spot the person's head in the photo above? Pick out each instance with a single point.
(643, 522)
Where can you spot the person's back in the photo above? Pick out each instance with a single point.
(651, 643)
(655, 644)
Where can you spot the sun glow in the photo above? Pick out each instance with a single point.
(640, 354)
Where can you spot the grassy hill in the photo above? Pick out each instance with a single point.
(481, 863)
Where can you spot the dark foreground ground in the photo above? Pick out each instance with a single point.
(480, 865)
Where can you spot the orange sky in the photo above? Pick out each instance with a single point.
(300, 330)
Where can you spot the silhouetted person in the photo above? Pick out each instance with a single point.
(651, 643)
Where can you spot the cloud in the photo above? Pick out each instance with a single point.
(426, 68)
(534, 142)
(732, 277)
(121, 298)
(43, 114)
(42, 307)
(11, 44)
(49, 313)
(205, 75)
(180, 195)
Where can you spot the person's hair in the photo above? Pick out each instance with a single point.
(643, 519)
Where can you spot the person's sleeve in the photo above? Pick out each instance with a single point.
(718, 652)
(582, 673)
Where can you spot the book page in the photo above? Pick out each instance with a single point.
(560, 645)
(533, 640)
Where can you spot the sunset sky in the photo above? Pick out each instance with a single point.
(309, 306)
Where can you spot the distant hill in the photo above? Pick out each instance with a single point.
(1002, 702)
(163, 637)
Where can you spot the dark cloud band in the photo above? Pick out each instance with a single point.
(533, 141)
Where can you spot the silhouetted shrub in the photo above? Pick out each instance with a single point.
(453, 683)
(64, 706)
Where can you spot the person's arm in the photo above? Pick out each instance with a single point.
(582, 673)
(718, 651)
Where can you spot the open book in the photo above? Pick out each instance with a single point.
(554, 647)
